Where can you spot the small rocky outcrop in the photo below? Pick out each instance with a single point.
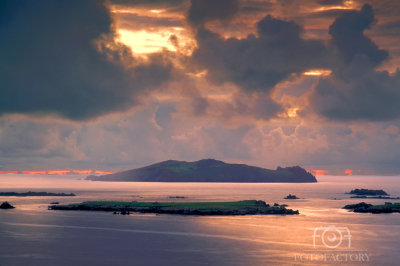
(290, 196)
(6, 205)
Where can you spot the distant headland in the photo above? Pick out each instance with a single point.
(208, 170)
(35, 194)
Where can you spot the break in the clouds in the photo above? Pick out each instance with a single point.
(51, 64)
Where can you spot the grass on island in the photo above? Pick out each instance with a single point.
(185, 205)
(395, 206)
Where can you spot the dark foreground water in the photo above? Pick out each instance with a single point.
(33, 235)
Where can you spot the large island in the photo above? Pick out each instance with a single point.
(208, 170)
(183, 208)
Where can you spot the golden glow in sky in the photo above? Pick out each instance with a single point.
(292, 112)
(142, 42)
(346, 5)
(317, 72)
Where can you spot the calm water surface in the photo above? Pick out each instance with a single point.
(33, 235)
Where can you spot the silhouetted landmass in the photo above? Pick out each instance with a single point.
(38, 194)
(183, 208)
(368, 192)
(363, 207)
(6, 205)
(208, 170)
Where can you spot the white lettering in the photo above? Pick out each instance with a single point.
(351, 257)
(301, 257)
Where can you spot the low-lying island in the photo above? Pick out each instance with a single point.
(388, 207)
(245, 207)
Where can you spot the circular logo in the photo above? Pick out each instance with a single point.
(334, 237)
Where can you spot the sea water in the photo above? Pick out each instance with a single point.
(31, 234)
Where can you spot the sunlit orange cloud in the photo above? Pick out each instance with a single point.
(348, 172)
(103, 173)
(292, 112)
(33, 172)
(318, 72)
(82, 172)
(320, 172)
(8, 172)
(346, 5)
(58, 172)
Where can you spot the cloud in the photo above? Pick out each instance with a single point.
(259, 63)
(51, 62)
(147, 3)
(356, 90)
(347, 33)
(363, 94)
(330, 2)
(202, 11)
(135, 22)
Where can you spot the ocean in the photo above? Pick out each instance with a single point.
(322, 234)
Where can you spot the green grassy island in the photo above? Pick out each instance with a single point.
(184, 208)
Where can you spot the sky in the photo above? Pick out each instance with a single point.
(115, 85)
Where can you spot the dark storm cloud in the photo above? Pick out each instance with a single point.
(357, 91)
(259, 63)
(363, 94)
(50, 64)
(202, 11)
(347, 33)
